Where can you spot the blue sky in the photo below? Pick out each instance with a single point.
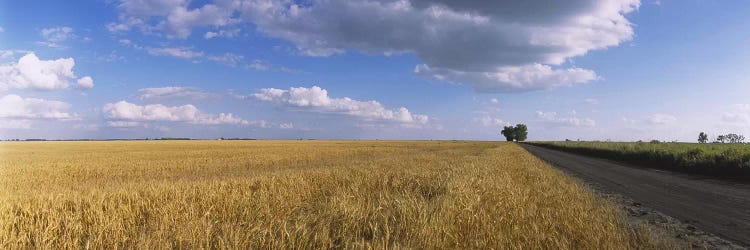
(407, 69)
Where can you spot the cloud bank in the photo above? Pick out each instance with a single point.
(14, 106)
(125, 114)
(316, 99)
(552, 118)
(495, 46)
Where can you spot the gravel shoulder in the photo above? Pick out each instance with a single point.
(705, 212)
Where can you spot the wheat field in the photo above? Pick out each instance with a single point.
(297, 194)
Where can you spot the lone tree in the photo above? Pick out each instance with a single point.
(517, 133)
(508, 132)
(521, 131)
(702, 137)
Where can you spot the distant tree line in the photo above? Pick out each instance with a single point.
(728, 138)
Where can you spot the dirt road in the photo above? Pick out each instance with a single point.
(714, 206)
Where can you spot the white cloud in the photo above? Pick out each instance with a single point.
(259, 65)
(150, 7)
(180, 52)
(222, 33)
(123, 124)
(128, 112)
(286, 126)
(88, 127)
(1, 29)
(56, 35)
(512, 78)
(177, 20)
(210, 35)
(16, 107)
(181, 20)
(32, 73)
(660, 118)
(228, 59)
(627, 120)
(494, 101)
(6, 54)
(503, 46)
(496, 46)
(15, 124)
(173, 92)
(316, 99)
(555, 119)
(85, 82)
(591, 101)
(738, 113)
(290, 70)
(488, 121)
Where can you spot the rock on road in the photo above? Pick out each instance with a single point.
(715, 206)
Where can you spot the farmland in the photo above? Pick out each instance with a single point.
(297, 194)
(714, 159)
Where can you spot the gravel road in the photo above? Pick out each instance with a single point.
(715, 206)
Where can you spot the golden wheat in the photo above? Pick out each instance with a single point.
(296, 194)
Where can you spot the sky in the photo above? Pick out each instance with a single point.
(620, 70)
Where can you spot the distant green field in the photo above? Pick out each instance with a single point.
(716, 159)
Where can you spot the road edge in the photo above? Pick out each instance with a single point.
(637, 215)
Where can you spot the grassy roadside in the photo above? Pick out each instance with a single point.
(292, 194)
(730, 161)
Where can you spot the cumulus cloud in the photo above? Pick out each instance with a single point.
(174, 92)
(503, 46)
(30, 72)
(179, 52)
(16, 107)
(493, 34)
(554, 119)
(55, 36)
(512, 78)
(660, 118)
(496, 46)
(125, 113)
(316, 99)
(182, 20)
(85, 82)
(177, 19)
